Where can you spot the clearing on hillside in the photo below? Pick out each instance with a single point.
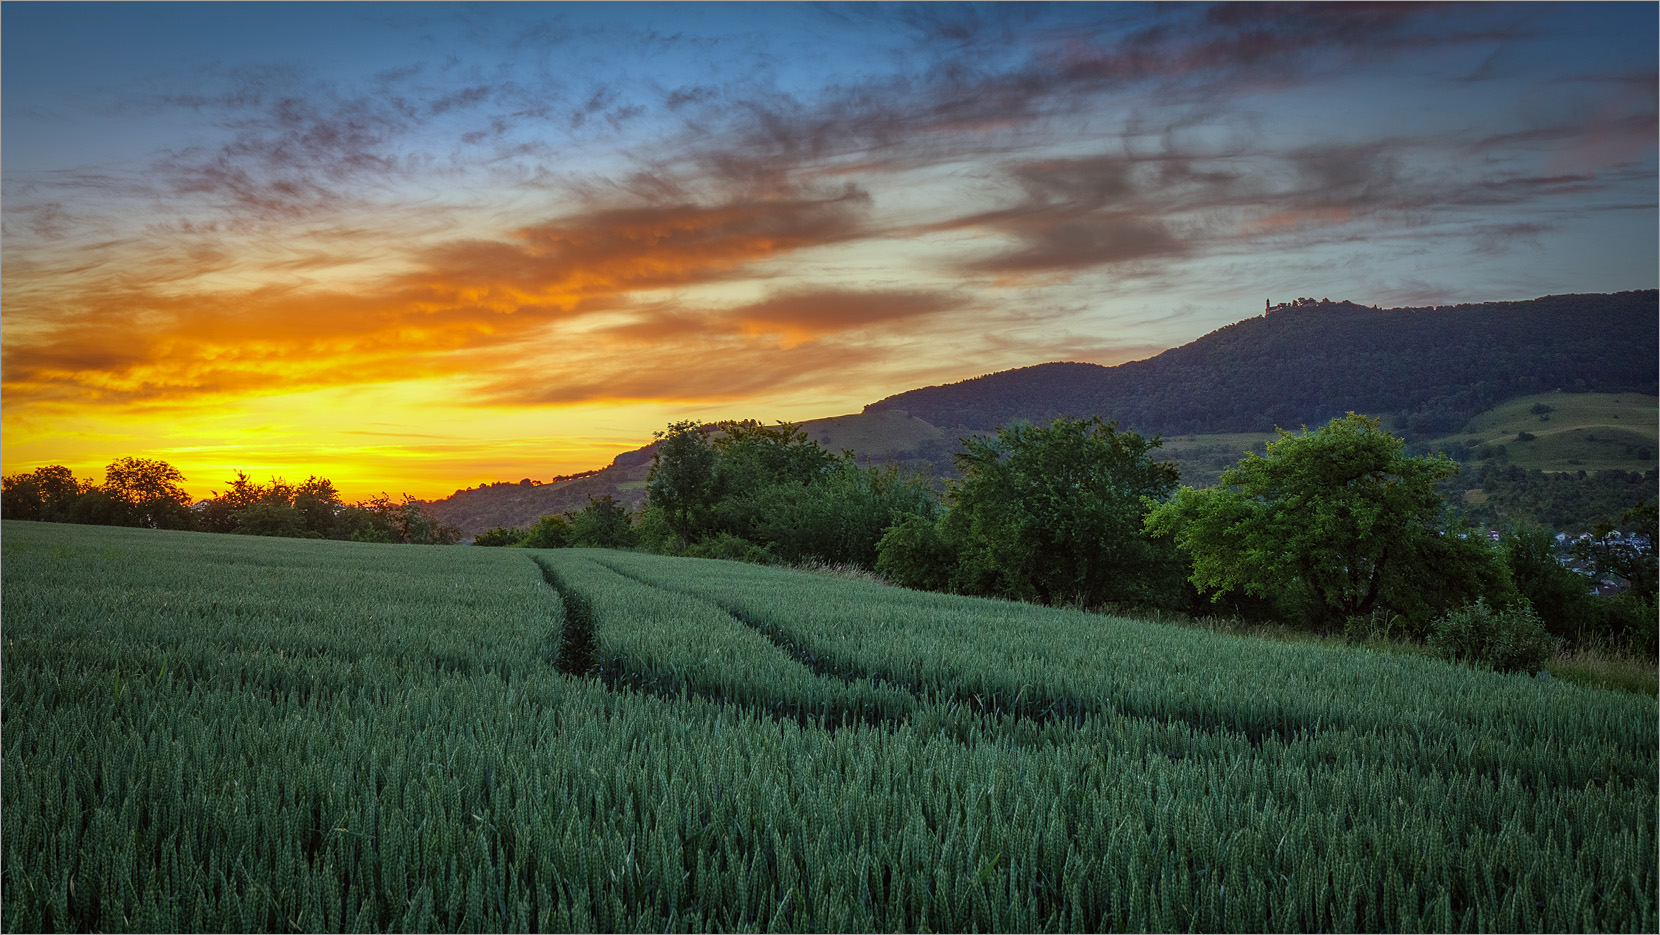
(1571, 431)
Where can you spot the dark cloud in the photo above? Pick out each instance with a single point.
(1121, 210)
(965, 101)
(830, 311)
(49, 221)
(1074, 214)
(1099, 240)
(615, 249)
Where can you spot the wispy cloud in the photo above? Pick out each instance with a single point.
(142, 340)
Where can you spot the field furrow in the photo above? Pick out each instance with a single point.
(226, 733)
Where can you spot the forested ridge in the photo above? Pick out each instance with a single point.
(1428, 369)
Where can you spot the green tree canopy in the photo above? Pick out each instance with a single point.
(756, 465)
(603, 524)
(1056, 513)
(681, 482)
(1340, 518)
(1632, 558)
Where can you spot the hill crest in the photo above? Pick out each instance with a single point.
(1429, 369)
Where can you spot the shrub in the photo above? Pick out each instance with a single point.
(1628, 622)
(1509, 640)
(729, 547)
(501, 536)
(550, 532)
(269, 519)
(915, 554)
(602, 524)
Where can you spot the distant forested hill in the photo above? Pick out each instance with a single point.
(1429, 369)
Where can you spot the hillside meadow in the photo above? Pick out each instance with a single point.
(234, 733)
(1571, 431)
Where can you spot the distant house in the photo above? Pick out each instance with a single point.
(1607, 587)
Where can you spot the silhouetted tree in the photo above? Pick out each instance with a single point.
(150, 489)
(44, 494)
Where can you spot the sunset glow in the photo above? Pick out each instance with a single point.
(414, 248)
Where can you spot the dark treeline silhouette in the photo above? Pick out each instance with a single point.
(1428, 369)
(145, 492)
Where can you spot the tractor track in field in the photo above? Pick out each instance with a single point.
(1069, 710)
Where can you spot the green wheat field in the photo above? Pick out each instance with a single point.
(225, 733)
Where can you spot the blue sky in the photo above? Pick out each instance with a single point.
(426, 245)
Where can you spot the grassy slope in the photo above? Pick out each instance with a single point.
(1202, 458)
(879, 436)
(1585, 431)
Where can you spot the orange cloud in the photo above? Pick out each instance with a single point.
(146, 339)
(803, 314)
(795, 315)
(712, 367)
(1300, 217)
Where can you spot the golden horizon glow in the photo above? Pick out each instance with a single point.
(414, 253)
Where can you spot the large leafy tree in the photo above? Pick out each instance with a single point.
(1056, 513)
(217, 513)
(1339, 518)
(318, 503)
(757, 467)
(681, 484)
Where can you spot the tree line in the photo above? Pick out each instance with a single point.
(1337, 530)
(744, 490)
(145, 492)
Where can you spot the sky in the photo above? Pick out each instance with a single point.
(417, 247)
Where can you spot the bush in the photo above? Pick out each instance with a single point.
(1509, 640)
(915, 554)
(602, 524)
(1559, 595)
(729, 547)
(841, 516)
(269, 519)
(550, 532)
(1628, 622)
(501, 536)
